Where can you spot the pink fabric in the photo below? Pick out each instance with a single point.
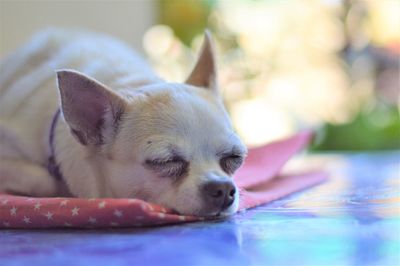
(259, 182)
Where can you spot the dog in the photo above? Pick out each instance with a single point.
(83, 115)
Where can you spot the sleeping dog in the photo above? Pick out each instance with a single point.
(83, 115)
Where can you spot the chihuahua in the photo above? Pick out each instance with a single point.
(82, 115)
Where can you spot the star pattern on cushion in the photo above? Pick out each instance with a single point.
(258, 180)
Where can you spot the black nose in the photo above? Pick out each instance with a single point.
(219, 193)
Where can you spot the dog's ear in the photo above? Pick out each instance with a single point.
(204, 73)
(91, 110)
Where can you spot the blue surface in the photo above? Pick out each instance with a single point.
(354, 219)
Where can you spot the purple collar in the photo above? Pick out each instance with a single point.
(52, 165)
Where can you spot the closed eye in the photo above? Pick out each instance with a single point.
(168, 167)
(231, 162)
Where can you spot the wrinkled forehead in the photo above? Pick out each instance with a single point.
(177, 113)
(196, 109)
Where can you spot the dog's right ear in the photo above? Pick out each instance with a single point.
(91, 110)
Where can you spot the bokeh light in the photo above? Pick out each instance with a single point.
(284, 66)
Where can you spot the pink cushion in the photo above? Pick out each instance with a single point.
(258, 179)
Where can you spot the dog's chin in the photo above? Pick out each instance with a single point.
(210, 213)
(230, 211)
(217, 214)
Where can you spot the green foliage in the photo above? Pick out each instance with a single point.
(377, 129)
(188, 18)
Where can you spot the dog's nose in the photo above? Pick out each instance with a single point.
(220, 193)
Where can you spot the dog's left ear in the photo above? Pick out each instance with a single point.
(204, 73)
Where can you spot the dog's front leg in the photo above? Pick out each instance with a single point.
(26, 178)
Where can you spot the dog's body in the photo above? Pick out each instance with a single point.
(123, 132)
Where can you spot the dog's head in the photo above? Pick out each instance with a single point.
(167, 143)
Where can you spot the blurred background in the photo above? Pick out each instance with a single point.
(283, 65)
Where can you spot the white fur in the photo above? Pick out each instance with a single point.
(192, 118)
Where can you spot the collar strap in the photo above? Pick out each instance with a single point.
(52, 165)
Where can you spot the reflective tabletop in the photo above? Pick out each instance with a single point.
(352, 219)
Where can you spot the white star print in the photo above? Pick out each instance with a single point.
(37, 206)
(4, 201)
(27, 220)
(49, 215)
(63, 203)
(67, 224)
(102, 204)
(92, 220)
(13, 211)
(6, 224)
(75, 211)
(118, 213)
